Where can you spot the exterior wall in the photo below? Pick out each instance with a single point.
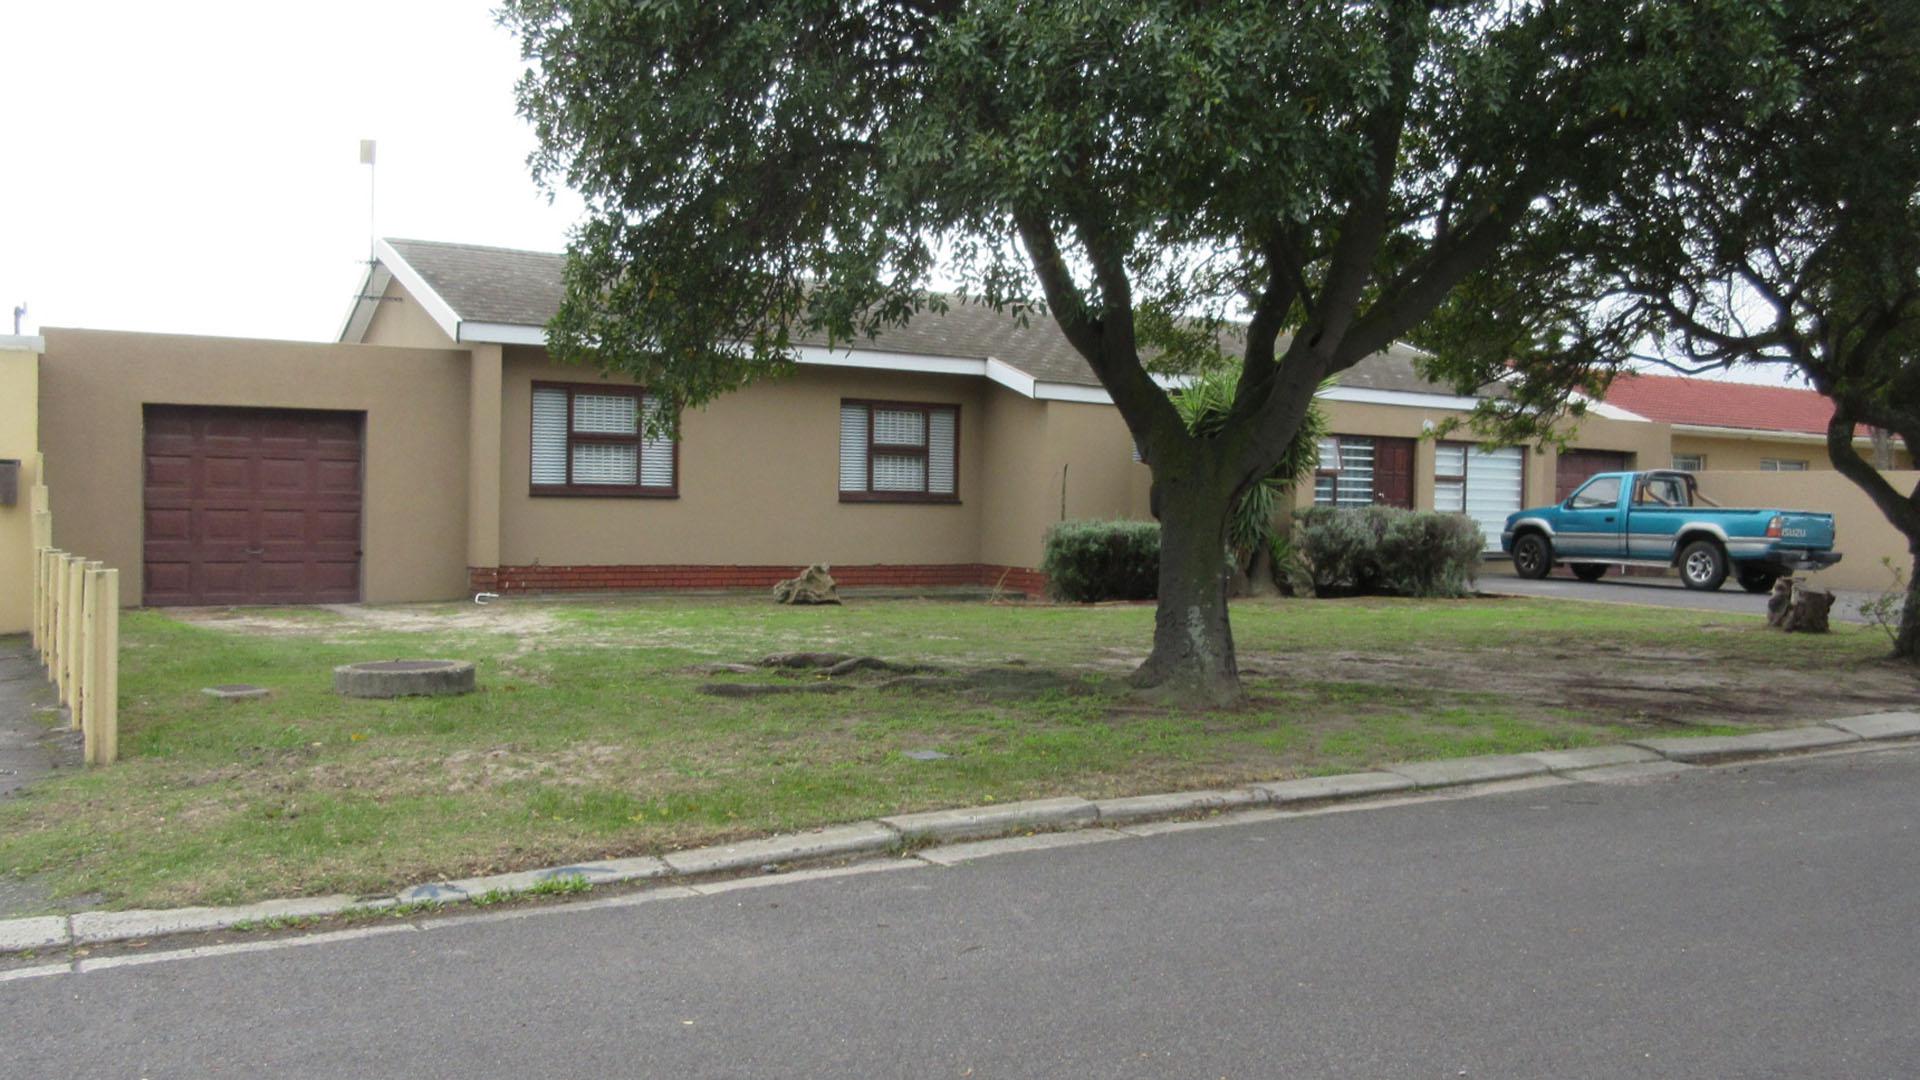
(399, 320)
(1050, 458)
(1861, 533)
(759, 482)
(19, 439)
(1730, 453)
(1646, 442)
(94, 384)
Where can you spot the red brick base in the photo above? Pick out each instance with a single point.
(531, 579)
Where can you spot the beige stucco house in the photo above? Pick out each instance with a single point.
(435, 451)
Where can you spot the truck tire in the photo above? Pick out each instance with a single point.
(1757, 581)
(1532, 556)
(1703, 566)
(1589, 571)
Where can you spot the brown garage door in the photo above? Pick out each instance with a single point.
(252, 506)
(1576, 466)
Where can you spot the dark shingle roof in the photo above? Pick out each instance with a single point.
(524, 288)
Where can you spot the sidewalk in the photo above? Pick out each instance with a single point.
(30, 747)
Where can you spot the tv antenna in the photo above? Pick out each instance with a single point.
(366, 158)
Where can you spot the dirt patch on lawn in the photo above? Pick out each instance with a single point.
(345, 621)
(1632, 686)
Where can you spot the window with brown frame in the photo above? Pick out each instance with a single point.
(590, 439)
(896, 451)
(1344, 473)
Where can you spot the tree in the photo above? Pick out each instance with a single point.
(1318, 174)
(1204, 405)
(1788, 236)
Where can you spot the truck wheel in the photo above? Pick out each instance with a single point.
(1703, 566)
(1532, 556)
(1589, 571)
(1757, 581)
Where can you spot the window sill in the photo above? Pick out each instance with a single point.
(580, 491)
(897, 497)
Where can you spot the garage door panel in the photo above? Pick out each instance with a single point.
(249, 506)
(284, 476)
(169, 526)
(226, 475)
(337, 477)
(336, 526)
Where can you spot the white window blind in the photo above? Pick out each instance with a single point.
(656, 454)
(601, 463)
(604, 414)
(853, 447)
(942, 444)
(1449, 483)
(897, 472)
(899, 427)
(549, 435)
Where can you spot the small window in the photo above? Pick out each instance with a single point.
(1344, 476)
(898, 452)
(1602, 493)
(1690, 462)
(590, 439)
(1774, 464)
(1658, 491)
(1450, 478)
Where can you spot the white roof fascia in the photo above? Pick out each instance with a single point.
(1404, 398)
(1057, 391)
(1011, 377)
(437, 309)
(32, 343)
(1612, 412)
(360, 316)
(1758, 434)
(502, 334)
(887, 361)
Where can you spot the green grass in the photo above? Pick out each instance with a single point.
(590, 738)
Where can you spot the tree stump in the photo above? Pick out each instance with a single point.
(1797, 608)
(815, 586)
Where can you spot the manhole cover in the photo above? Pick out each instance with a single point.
(236, 691)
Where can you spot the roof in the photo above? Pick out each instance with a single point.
(480, 293)
(1696, 402)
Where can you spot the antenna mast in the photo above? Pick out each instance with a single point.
(366, 158)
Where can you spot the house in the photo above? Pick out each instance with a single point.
(436, 450)
(1738, 426)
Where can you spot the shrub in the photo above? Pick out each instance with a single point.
(1087, 561)
(1385, 550)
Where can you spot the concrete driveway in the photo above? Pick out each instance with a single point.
(1656, 592)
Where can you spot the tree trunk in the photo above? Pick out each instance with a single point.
(1906, 642)
(1192, 660)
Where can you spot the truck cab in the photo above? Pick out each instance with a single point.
(1660, 518)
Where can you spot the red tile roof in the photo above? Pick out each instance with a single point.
(1677, 399)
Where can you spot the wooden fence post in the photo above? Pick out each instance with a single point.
(76, 584)
(57, 642)
(101, 695)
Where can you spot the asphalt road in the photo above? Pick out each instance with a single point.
(1657, 592)
(1751, 922)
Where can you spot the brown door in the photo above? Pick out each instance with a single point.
(1577, 466)
(1393, 472)
(251, 506)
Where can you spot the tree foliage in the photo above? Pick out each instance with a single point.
(1321, 173)
(1787, 236)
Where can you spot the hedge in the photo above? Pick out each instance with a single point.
(1087, 561)
(1385, 550)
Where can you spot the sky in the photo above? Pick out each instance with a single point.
(193, 167)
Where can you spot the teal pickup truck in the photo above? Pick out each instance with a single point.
(1661, 519)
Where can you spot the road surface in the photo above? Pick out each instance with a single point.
(1735, 922)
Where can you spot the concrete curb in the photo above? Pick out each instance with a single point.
(974, 832)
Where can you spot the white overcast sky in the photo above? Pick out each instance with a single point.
(193, 167)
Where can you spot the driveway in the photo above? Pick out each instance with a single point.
(1655, 592)
(1736, 922)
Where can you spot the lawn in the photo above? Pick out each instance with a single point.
(593, 734)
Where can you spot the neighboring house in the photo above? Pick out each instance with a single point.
(1729, 426)
(437, 450)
